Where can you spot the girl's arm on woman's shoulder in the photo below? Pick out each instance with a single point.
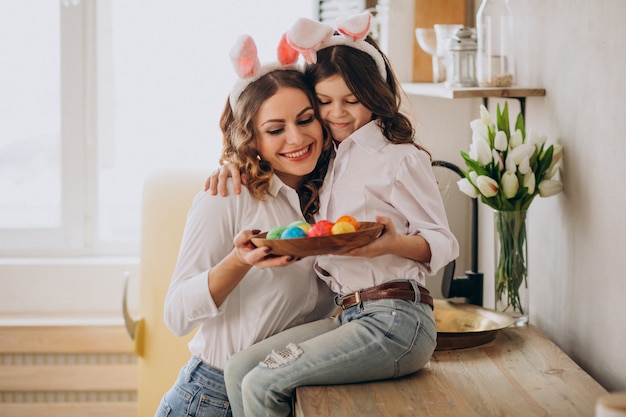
(219, 178)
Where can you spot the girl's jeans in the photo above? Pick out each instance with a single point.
(377, 340)
(199, 391)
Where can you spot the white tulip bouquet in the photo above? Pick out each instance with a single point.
(504, 166)
(508, 168)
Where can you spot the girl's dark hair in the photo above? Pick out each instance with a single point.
(360, 73)
(239, 145)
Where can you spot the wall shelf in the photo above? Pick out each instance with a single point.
(441, 91)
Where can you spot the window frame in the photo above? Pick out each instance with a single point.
(78, 145)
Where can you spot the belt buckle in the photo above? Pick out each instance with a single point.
(357, 301)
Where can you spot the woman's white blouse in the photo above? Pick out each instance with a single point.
(265, 302)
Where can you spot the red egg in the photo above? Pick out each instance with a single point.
(321, 228)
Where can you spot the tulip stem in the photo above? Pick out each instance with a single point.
(511, 258)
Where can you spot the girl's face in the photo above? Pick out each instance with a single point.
(339, 108)
(288, 135)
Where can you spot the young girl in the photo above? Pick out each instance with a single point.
(272, 133)
(386, 328)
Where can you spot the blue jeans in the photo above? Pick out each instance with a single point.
(199, 391)
(378, 340)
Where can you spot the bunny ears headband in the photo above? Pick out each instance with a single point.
(245, 60)
(305, 37)
(309, 36)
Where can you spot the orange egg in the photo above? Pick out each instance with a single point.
(349, 219)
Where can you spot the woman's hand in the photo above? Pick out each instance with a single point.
(219, 178)
(228, 273)
(259, 257)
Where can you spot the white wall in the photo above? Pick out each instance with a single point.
(575, 49)
(577, 240)
(66, 286)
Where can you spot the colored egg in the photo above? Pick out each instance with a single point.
(293, 232)
(350, 220)
(342, 227)
(275, 232)
(321, 228)
(301, 224)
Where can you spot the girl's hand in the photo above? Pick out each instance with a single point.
(259, 257)
(219, 178)
(380, 246)
(413, 247)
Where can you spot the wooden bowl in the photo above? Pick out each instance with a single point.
(321, 245)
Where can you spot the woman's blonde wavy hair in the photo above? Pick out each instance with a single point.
(239, 142)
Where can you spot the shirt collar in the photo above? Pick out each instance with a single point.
(276, 185)
(369, 137)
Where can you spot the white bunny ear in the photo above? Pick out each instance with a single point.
(306, 36)
(355, 27)
(244, 57)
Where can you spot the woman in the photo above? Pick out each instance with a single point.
(228, 291)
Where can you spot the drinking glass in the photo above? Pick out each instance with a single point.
(427, 40)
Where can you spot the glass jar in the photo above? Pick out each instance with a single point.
(461, 59)
(443, 32)
(494, 61)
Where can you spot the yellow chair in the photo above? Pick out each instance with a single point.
(167, 197)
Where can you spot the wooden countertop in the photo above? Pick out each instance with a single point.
(520, 373)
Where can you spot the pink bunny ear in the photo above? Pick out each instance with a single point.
(244, 57)
(306, 35)
(355, 27)
(245, 60)
(287, 55)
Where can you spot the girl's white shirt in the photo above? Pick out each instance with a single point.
(370, 177)
(265, 302)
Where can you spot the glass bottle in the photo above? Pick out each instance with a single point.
(494, 60)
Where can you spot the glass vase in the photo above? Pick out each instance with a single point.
(511, 265)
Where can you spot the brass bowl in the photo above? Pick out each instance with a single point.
(465, 325)
(321, 245)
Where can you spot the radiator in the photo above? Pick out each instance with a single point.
(67, 371)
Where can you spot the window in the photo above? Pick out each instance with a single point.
(30, 144)
(97, 95)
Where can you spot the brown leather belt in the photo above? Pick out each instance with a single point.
(402, 290)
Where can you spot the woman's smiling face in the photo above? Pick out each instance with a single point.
(288, 135)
